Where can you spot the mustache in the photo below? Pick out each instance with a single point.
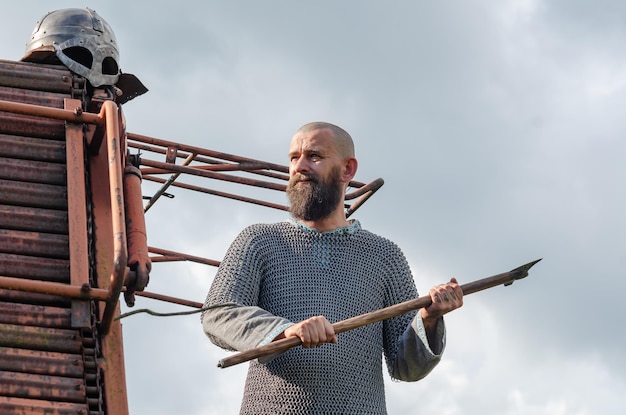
(299, 177)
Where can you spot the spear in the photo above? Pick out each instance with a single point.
(505, 278)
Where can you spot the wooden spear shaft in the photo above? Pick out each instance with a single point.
(506, 278)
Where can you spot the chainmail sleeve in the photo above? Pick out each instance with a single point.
(244, 325)
(408, 355)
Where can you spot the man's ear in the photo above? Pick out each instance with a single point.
(350, 166)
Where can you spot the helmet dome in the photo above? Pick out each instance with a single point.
(81, 40)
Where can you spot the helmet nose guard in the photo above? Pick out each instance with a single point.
(82, 41)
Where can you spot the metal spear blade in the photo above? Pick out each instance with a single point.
(522, 271)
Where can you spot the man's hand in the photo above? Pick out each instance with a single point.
(313, 332)
(445, 298)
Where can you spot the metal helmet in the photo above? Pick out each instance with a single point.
(81, 40)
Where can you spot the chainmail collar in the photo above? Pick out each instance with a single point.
(353, 227)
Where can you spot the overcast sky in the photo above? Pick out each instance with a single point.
(498, 129)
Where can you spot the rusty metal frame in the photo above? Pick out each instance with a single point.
(207, 164)
(77, 214)
(226, 168)
(107, 118)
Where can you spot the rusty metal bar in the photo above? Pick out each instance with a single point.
(202, 151)
(31, 148)
(34, 243)
(17, 296)
(148, 144)
(208, 160)
(44, 387)
(366, 188)
(213, 175)
(84, 292)
(110, 114)
(32, 171)
(115, 399)
(10, 405)
(167, 184)
(44, 98)
(245, 167)
(368, 191)
(35, 77)
(77, 214)
(169, 299)
(40, 338)
(219, 193)
(34, 315)
(177, 256)
(111, 369)
(43, 269)
(139, 262)
(77, 116)
(42, 363)
(33, 219)
(17, 124)
(33, 194)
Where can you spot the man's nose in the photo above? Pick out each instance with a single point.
(300, 165)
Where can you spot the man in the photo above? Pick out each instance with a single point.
(294, 278)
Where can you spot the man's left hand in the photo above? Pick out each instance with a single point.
(445, 298)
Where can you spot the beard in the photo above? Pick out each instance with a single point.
(315, 199)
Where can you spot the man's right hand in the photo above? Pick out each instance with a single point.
(313, 332)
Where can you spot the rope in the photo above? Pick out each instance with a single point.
(178, 313)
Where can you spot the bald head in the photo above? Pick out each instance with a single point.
(343, 141)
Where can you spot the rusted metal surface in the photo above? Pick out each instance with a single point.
(32, 171)
(31, 126)
(40, 338)
(34, 268)
(47, 99)
(50, 347)
(34, 243)
(67, 291)
(11, 295)
(113, 366)
(31, 148)
(35, 77)
(110, 112)
(33, 219)
(171, 158)
(41, 363)
(113, 370)
(77, 214)
(43, 113)
(49, 388)
(18, 406)
(33, 194)
(34, 315)
(227, 195)
(138, 258)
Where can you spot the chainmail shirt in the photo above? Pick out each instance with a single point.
(282, 273)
